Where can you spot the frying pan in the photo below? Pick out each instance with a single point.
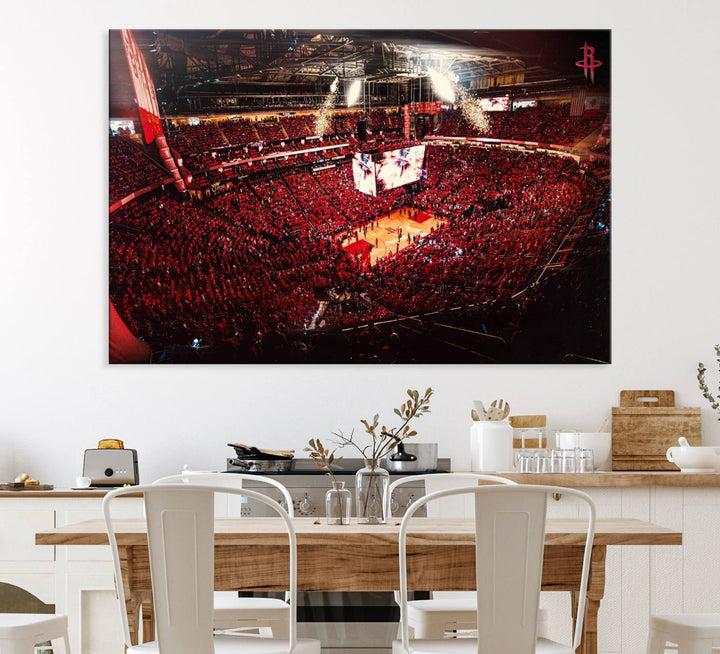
(250, 452)
(261, 465)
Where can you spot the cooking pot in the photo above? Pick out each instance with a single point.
(424, 458)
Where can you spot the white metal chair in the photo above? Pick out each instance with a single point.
(231, 611)
(445, 611)
(180, 528)
(509, 545)
(693, 633)
(20, 632)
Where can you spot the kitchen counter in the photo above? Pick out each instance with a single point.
(640, 479)
(57, 493)
(643, 479)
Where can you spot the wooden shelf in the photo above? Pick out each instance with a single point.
(642, 479)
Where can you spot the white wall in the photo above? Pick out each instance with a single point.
(58, 395)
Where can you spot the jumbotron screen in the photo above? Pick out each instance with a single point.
(495, 104)
(399, 167)
(363, 168)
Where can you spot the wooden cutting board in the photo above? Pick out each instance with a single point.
(645, 425)
(45, 487)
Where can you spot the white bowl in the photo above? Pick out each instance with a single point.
(695, 459)
(599, 442)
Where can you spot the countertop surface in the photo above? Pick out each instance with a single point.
(642, 479)
(57, 493)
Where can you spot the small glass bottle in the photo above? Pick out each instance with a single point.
(338, 501)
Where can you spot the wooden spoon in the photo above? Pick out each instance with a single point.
(480, 408)
(498, 410)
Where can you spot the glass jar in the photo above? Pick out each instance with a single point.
(338, 501)
(371, 485)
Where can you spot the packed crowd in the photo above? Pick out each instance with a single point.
(544, 123)
(250, 264)
(193, 141)
(131, 169)
(194, 274)
(483, 254)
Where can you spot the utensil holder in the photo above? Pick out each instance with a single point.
(491, 446)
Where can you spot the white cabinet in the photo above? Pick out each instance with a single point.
(644, 579)
(78, 580)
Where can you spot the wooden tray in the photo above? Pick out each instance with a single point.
(643, 430)
(39, 487)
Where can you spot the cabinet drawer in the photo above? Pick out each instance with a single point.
(17, 537)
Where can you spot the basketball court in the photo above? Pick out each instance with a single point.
(391, 233)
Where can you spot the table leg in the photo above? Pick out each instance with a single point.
(148, 617)
(596, 591)
(134, 567)
(133, 606)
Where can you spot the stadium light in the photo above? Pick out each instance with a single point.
(354, 91)
(442, 85)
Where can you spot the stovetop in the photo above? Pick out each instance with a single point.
(345, 467)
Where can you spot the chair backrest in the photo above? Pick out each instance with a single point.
(180, 530)
(443, 480)
(509, 545)
(229, 479)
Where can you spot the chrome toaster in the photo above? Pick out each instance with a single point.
(111, 467)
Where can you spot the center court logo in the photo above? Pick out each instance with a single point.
(588, 62)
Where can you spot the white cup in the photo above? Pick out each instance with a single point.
(82, 482)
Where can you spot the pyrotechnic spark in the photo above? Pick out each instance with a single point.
(472, 111)
(323, 120)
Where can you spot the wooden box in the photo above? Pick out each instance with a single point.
(645, 425)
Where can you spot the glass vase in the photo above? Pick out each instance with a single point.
(338, 501)
(371, 484)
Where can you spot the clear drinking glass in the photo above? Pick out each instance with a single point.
(523, 436)
(585, 461)
(519, 454)
(556, 456)
(543, 461)
(526, 461)
(568, 461)
(539, 433)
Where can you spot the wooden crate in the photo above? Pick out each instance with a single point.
(643, 430)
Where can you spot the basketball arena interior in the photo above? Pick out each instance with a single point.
(285, 196)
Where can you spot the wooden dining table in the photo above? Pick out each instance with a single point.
(251, 554)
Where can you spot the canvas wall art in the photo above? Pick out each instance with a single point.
(354, 196)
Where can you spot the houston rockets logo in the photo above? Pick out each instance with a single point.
(588, 62)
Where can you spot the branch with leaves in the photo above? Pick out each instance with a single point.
(384, 440)
(323, 457)
(702, 370)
